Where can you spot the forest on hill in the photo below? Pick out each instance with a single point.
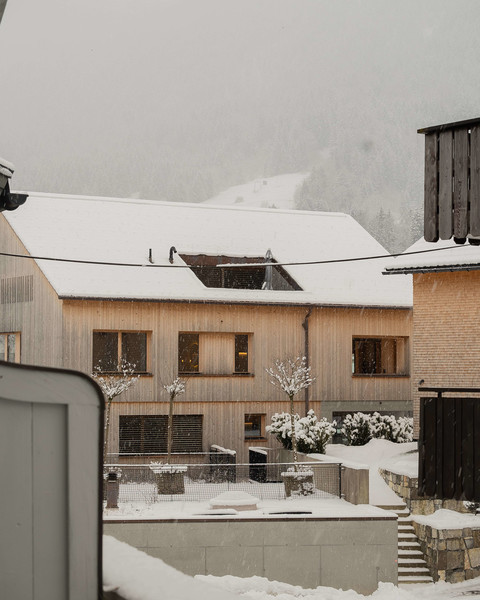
(179, 99)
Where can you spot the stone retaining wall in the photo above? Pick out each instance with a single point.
(407, 488)
(452, 555)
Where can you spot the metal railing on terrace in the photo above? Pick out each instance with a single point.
(203, 482)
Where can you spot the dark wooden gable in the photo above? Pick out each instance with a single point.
(452, 181)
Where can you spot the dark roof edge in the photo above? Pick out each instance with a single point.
(236, 302)
(445, 126)
(439, 269)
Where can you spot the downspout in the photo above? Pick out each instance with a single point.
(307, 357)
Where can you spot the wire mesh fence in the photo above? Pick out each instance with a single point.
(203, 482)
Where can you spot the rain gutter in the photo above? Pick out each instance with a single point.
(233, 302)
(307, 356)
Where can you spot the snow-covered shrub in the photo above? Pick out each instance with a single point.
(312, 434)
(360, 428)
(356, 429)
(382, 427)
(404, 432)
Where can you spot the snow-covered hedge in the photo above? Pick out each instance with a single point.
(312, 434)
(360, 428)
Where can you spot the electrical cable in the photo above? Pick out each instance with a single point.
(229, 265)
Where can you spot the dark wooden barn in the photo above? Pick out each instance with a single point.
(452, 181)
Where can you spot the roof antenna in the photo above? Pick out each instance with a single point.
(170, 256)
(268, 283)
(150, 257)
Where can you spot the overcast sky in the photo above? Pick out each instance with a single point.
(144, 97)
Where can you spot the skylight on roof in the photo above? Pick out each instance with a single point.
(240, 278)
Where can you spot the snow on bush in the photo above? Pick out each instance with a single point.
(312, 434)
(356, 429)
(360, 428)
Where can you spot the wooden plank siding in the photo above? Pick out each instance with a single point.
(475, 181)
(431, 188)
(331, 334)
(460, 204)
(445, 187)
(223, 422)
(223, 398)
(452, 181)
(38, 318)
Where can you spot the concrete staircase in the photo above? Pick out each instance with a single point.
(412, 567)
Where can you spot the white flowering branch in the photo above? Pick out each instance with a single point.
(291, 375)
(112, 385)
(174, 389)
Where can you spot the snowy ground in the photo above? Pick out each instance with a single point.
(137, 576)
(318, 507)
(399, 458)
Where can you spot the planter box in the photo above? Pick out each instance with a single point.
(298, 483)
(170, 483)
(169, 478)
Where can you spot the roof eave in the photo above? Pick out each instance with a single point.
(405, 306)
(454, 125)
(436, 269)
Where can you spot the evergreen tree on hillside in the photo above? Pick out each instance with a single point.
(383, 229)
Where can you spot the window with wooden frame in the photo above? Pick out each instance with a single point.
(241, 353)
(147, 434)
(188, 355)
(379, 356)
(111, 348)
(220, 354)
(10, 347)
(254, 426)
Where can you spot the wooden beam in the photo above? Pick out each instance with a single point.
(460, 193)
(445, 185)
(431, 185)
(475, 181)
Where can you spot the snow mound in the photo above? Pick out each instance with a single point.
(448, 519)
(376, 453)
(235, 499)
(137, 576)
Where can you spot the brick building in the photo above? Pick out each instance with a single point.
(446, 316)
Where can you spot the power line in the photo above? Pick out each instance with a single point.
(229, 265)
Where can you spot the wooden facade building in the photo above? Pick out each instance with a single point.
(87, 281)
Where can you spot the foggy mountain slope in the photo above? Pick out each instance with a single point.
(180, 99)
(265, 192)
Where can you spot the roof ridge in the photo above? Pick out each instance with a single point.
(187, 205)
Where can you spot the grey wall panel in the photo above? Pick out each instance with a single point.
(16, 519)
(50, 515)
(51, 424)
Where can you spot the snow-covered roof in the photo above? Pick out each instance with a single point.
(443, 255)
(124, 230)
